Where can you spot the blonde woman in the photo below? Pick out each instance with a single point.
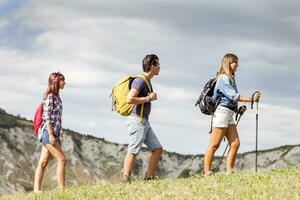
(223, 118)
(50, 132)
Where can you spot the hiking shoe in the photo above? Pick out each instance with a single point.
(151, 178)
(230, 172)
(209, 173)
(126, 179)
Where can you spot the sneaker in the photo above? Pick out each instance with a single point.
(209, 173)
(151, 178)
(126, 179)
(230, 172)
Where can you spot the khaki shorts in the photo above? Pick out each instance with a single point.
(223, 117)
(141, 133)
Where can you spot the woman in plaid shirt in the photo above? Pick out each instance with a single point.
(50, 131)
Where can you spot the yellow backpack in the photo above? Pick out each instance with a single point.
(120, 92)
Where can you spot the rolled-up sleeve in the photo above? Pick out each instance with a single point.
(48, 109)
(228, 90)
(138, 84)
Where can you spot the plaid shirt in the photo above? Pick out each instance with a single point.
(52, 114)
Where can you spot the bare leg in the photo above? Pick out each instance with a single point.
(39, 172)
(234, 143)
(215, 140)
(128, 163)
(56, 152)
(153, 162)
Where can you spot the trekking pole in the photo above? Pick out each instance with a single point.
(256, 135)
(240, 112)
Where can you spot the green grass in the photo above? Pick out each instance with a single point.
(11, 121)
(275, 184)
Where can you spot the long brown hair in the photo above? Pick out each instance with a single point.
(225, 65)
(53, 84)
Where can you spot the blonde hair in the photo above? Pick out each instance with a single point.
(225, 66)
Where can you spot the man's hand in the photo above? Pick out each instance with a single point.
(153, 96)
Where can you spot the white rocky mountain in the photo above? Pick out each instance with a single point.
(94, 160)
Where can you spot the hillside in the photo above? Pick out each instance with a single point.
(93, 160)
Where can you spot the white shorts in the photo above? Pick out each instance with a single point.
(223, 117)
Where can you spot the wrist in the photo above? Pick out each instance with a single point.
(245, 99)
(148, 99)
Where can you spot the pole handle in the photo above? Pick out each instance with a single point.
(252, 97)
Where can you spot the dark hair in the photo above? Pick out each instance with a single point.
(53, 84)
(148, 61)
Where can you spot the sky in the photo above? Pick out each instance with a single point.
(95, 43)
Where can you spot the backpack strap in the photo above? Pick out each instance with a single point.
(146, 80)
(148, 83)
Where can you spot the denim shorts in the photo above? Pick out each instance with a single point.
(45, 137)
(223, 117)
(141, 133)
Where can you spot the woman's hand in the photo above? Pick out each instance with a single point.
(51, 139)
(256, 97)
(51, 135)
(59, 141)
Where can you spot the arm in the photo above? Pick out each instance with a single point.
(133, 99)
(228, 90)
(136, 86)
(244, 99)
(49, 110)
(256, 97)
(50, 130)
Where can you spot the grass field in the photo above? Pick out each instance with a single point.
(275, 184)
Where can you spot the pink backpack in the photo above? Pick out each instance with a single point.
(38, 118)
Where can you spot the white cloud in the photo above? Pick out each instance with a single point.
(95, 43)
(3, 23)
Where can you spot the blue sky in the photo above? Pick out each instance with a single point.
(95, 43)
